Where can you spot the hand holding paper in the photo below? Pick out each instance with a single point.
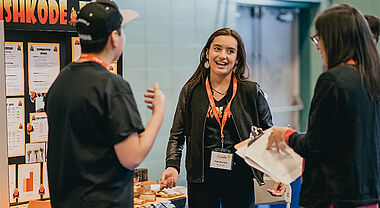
(277, 137)
(277, 190)
(284, 166)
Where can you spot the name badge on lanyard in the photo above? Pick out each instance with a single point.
(221, 160)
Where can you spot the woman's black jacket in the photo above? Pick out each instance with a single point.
(342, 144)
(249, 107)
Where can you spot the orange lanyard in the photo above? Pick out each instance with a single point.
(93, 58)
(213, 106)
(350, 62)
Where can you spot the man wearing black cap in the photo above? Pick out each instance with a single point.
(96, 137)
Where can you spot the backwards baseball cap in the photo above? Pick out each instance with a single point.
(99, 18)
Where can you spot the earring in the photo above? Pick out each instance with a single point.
(207, 65)
(234, 69)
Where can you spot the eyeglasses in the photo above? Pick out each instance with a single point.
(315, 40)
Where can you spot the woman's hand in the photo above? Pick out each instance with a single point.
(277, 137)
(169, 178)
(277, 190)
(155, 99)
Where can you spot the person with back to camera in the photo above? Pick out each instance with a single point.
(96, 137)
(374, 25)
(216, 109)
(341, 147)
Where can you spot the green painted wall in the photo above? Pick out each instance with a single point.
(310, 58)
(365, 6)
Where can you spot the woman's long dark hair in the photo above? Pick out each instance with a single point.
(241, 70)
(346, 35)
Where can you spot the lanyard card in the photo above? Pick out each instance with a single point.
(221, 159)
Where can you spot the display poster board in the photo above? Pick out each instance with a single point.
(53, 15)
(43, 65)
(39, 125)
(16, 127)
(29, 181)
(75, 48)
(14, 68)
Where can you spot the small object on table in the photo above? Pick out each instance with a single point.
(138, 201)
(148, 197)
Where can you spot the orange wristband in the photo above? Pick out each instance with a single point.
(287, 135)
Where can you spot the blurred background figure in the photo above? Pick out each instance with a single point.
(374, 25)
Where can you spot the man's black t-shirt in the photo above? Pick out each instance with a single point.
(89, 111)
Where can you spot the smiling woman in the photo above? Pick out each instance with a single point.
(216, 109)
(222, 58)
(222, 53)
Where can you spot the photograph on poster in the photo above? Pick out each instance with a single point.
(16, 127)
(38, 129)
(75, 48)
(12, 182)
(14, 68)
(43, 65)
(39, 103)
(29, 181)
(35, 152)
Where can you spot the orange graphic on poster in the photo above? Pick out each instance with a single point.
(41, 191)
(31, 48)
(55, 49)
(33, 95)
(19, 48)
(29, 128)
(16, 193)
(73, 17)
(27, 183)
(33, 118)
(20, 103)
(21, 126)
(76, 42)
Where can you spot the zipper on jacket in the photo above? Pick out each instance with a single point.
(237, 130)
(253, 172)
(203, 149)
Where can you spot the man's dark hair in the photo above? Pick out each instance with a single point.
(96, 46)
(374, 25)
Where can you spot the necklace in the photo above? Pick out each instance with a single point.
(220, 93)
